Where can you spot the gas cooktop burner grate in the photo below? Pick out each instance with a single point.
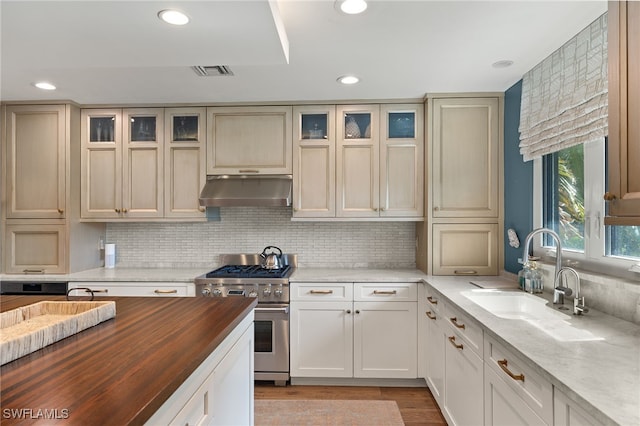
(248, 271)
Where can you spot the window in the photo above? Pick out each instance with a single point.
(571, 184)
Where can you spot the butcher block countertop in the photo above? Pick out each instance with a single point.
(122, 370)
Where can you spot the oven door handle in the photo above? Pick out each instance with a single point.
(284, 309)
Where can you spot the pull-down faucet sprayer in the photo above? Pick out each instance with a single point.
(556, 237)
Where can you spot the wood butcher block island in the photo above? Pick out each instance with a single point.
(127, 370)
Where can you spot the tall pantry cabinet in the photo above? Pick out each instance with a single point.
(464, 227)
(40, 154)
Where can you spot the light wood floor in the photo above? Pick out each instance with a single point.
(417, 405)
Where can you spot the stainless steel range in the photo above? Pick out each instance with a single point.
(243, 276)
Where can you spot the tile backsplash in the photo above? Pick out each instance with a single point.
(250, 229)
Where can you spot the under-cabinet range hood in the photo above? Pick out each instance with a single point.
(242, 190)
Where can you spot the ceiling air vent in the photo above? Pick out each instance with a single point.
(212, 71)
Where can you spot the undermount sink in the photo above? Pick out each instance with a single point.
(515, 305)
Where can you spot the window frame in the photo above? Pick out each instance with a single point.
(594, 258)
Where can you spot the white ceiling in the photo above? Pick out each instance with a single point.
(119, 52)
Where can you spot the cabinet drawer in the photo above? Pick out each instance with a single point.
(322, 291)
(397, 292)
(135, 289)
(467, 331)
(536, 392)
(434, 302)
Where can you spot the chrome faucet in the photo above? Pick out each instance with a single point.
(556, 237)
(563, 290)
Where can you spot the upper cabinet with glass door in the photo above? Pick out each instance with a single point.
(184, 162)
(624, 110)
(402, 161)
(122, 163)
(314, 150)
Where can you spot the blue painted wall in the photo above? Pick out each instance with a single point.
(518, 180)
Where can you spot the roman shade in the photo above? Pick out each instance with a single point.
(565, 97)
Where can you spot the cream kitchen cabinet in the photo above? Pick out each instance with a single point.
(465, 249)
(36, 151)
(624, 110)
(567, 412)
(220, 391)
(122, 163)
(514, 394)
(249, 140)
(314, 165)
(353, 330)
(136, 289)
(40, 154)
(184, 162)
(359, 162)
(465, 183)
(435, 346)
(463, 375)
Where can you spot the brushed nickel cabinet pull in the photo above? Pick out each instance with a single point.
(384, 292)
(249, 171)
(503, 364)
(174, 291)
(432, 300)
(96, 291)
(430, 315)
(452, 339)
(465, 272)
(321, 292)
(33, 271)
(454, 320)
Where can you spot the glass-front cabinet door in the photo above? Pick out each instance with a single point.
(402, 160)
(314, 150)
(357, 161)
(184, 162)
(142, 163)
(101, 164)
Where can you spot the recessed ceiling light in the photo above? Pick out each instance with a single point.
(502, 64)
(351, 7)
(44, 85)
(173, 17)
(348, 79)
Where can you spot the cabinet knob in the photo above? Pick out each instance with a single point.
(348, 311)
(435, 209)
(117, 210)
(124, 210)
(375, 209)
(609, 196)
(60, 211)
(357, 311)
(202, 209)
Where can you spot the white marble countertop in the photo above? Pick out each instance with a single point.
(356, 275)
(116, 274)
(603, 376)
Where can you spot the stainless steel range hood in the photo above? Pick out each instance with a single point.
(231, 190)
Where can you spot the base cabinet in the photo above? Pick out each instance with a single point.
(435, 348)
(568, 413)
(136, 289)
(220, 391)
(335, 335)
(502, 407)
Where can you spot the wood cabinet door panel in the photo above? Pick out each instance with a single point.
(624, 109)
(315, 182)
(465, 249)
(321, 339)
(36, 161)
(249, 140)
(35, 248)
(358, 193)
(385, 340)
(465, 157)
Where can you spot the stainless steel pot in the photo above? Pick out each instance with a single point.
(271, 260)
